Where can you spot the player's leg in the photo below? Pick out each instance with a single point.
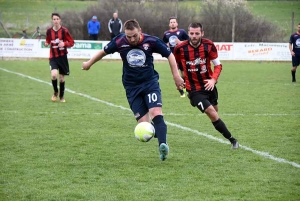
(153, 100)
(201, 101)
(63, 70)
(295, 63)
(54, 72)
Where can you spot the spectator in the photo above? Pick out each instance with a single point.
(115, 25)
(93, 28)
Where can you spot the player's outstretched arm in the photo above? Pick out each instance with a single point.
(88, 64)
(176, 76)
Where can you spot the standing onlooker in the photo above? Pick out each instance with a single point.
(294, 46)
(115, 25)
(173, 37)
(59, 39)
(195, 56)
(93, 28)
(139, 78)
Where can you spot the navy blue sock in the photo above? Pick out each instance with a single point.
(160, 129)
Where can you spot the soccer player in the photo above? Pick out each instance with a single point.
(139, 78)
(294, 46)
(172, 37)
(59, 39)
(195, 56)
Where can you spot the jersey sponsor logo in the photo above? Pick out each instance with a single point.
(172, 40)
(136, 58)
(297, 42)
(125, 46)
(196, 61)
(193, 69)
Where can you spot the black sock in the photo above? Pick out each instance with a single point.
(160, 129)
(54, 84)
(294, 75)
(221, 127)
(181, 91)
(61, 89)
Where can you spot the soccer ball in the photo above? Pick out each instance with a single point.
(144, 131)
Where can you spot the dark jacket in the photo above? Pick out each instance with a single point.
(115, 26)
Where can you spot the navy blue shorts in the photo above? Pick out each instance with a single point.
(296, 60)
(143, 97)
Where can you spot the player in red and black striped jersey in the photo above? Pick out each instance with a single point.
(59, 39)
(195, 56)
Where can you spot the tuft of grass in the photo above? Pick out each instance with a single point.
(85, 149)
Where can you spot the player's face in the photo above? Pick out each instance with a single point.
(173, 24)
(56, 20)
(195, 35)
(133, 36)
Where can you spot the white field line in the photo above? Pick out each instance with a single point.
(263, 154)
(129, 114)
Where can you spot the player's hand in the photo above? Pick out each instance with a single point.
(293, 53)
(85, 66)
(210, 84)
(61, 44)
(179, 82)
(46, 44)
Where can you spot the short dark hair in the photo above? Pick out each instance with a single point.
(195, 25)
(131, 24)
(173, 18)
(55, 14)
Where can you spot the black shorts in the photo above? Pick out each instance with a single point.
(61, 64)
(204, 99)
(296, 60)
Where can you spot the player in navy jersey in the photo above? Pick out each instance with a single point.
(173, 37)
(139, 78)
(195, 56)
(294, 46)
(59, 39)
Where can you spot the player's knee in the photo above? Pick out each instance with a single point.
(212, 113)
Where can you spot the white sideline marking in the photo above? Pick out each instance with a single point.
(127, 114)
(264, 154)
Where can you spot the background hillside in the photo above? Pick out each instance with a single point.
(17, 15)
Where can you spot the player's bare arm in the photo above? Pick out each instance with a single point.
(291, 49)
(98, 56)
(176, 76)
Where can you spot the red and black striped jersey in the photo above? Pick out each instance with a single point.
(196, 63)
(54, 37)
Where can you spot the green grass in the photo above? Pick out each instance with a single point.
(278, 12)
(85, 149)
(18, 15)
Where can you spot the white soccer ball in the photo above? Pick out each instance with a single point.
(144, 131)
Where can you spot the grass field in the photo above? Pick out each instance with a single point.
(85, 149)
(18, 15)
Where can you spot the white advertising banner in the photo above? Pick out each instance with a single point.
(262, 51)
(84, 49)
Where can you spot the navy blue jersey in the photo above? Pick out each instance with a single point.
(171, 36)
(295, 40)
(137, 60)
